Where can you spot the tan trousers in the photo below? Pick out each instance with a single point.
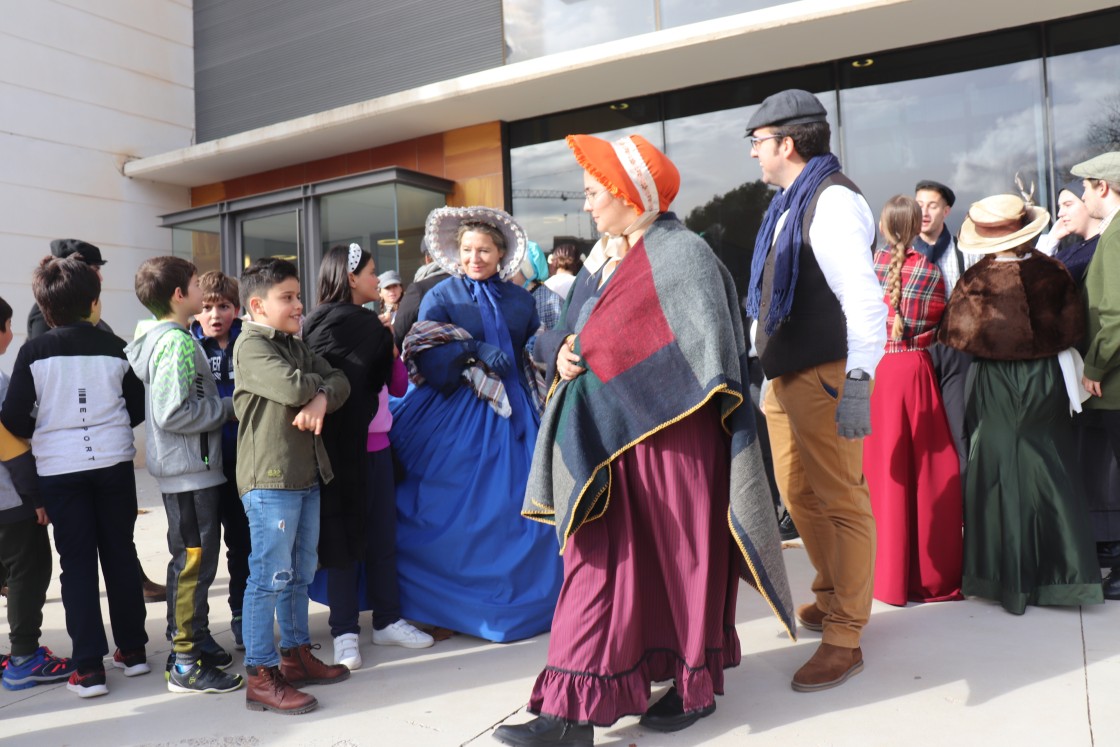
(820, 476)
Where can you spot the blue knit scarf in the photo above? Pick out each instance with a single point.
(796, 200)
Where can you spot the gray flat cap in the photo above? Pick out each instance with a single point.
(389, 278)
(1105, 166)
(792, 106)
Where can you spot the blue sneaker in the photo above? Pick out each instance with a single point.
(43, 667)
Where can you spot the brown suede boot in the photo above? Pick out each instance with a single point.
(268, 691)
(828, 667)
(811, 617)
(300, 667)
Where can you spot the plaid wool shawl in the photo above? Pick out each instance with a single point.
(426, 335)
(664, 338)
(922, 301)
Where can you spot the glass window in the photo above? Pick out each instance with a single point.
(973, 130)
(681, 12)
(199, 241)
(1084, 87)
(413, 206)
(361, 216)
(274, 235)
(548, 189)
(722, 196)
(534, 28)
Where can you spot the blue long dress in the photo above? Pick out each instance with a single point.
(466, 558)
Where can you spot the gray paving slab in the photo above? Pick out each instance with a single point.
(961, 673)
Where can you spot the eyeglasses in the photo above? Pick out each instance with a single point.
(590, 197)
(756, 140)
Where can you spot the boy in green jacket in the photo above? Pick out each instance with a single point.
(282, 393)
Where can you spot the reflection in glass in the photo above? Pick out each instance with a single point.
(971, 130)
(681, 12)
(270, 236)
(386, 220)
(548, 189)
(722, 196)
(200, 242)
(534, 28)
(1085, 101)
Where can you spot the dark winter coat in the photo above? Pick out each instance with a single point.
(352, 339)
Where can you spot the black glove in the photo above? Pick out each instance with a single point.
(494, 359)
(853, 413)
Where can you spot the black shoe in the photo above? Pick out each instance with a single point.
(786, 529)
(546, 730)
(219, 659)
(1111, 584)
(1108, 554)
(201, 678)
(668, 714)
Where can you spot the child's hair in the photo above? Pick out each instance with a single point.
(901, 222)
(334, 273)
(65, 289)
(157, 279)
(217, 286)
(5, 313)
(260, 276)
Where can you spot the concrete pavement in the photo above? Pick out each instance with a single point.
(961, 673)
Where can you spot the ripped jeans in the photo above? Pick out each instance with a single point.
(284, 528)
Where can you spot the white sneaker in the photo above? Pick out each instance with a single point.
(402, 633)
(346, 651)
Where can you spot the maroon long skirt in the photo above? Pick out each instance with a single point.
(913, 474)
(650, 587)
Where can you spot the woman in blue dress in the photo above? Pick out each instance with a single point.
(466, 558)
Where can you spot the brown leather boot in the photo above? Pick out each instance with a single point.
(300, 667)
(828, 667)
(268, 691)
(153, 592)
(811, 617)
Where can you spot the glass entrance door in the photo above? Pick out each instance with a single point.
(272, 234)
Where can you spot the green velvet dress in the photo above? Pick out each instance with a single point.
(1027, 537)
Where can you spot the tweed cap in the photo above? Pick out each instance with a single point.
(1106, 166)
(792, 106)
(87, 252)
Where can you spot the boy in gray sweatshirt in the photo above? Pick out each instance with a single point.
(184, 418)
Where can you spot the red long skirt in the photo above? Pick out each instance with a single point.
(913, 474)
(649, 589)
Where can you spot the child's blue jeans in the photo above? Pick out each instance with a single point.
(284, 531)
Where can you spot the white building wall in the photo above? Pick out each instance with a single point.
(86, 85)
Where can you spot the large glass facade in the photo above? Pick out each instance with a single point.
(534, 28)
(972, 113)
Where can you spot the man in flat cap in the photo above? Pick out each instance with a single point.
(1101, 182)
(821, 332)
(937, 244)
(88, 253)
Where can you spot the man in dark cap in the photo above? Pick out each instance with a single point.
(821, 331)
(939, 246)
(429, 275)
(1101, 290)
(91, 255)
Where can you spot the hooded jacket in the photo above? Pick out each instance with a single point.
(184, 412)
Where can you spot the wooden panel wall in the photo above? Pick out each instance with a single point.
(471, 157)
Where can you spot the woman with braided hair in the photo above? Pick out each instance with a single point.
(909, 459)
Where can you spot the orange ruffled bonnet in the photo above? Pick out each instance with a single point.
(629, 181)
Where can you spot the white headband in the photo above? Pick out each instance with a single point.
(355, 257)
(638, 172)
